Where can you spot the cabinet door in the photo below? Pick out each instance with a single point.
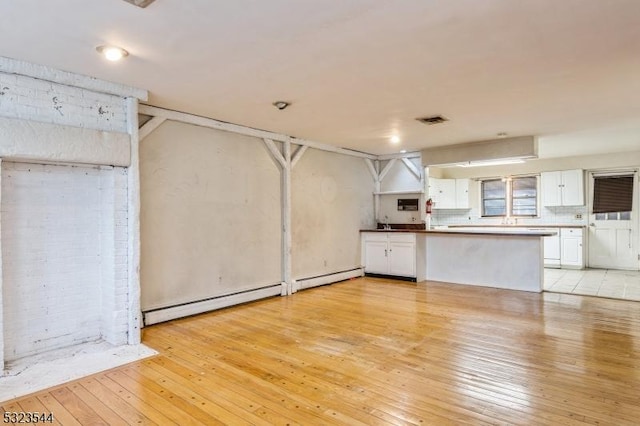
(447, 194)
(571, 251)
(551, 190)
(402, 259)
(434, 190)
(552, 249)
(572, 188)
(462, 193)
(376, 257)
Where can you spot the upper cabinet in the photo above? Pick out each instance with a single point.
(449, 193)
(562, 188)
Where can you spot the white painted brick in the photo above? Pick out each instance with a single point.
(61, 282)
(39, 100)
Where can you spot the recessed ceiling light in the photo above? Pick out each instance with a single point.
(281, 104)
(112, 53)
(395, 139)
(402, 151)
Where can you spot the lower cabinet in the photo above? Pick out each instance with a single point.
(389, 253)
(564, 250)
(552, 249)
(572, 252)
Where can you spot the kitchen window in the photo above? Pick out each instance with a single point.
(516, 196)
(494, 197)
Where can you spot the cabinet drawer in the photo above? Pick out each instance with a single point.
(404, 237)
(571, 232)
(375, 236)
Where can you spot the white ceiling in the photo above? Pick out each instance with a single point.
(359, 71)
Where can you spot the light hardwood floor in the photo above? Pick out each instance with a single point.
(376, 352)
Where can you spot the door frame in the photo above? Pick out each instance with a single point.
(635, 217)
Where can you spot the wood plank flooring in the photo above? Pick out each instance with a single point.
(375, 352)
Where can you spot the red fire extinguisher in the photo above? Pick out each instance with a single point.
(429, 205)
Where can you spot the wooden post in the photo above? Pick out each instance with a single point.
(133, 177)
(286, 218)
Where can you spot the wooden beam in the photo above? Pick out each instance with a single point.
(235, 128)
(412, 168)
(372, 169)
(298, 155)
(150, 126)
(386, 169)
(275, 153)
(403, 155)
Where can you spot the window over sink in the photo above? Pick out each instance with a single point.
(513, 196)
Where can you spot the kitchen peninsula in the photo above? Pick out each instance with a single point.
(508, 258)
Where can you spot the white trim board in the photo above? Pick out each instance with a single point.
(304, 283)
(180, 311)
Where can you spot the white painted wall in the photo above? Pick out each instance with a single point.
(210, 215)
(400, 178)
(60, 229)
(332, 199)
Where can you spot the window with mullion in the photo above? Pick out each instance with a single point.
(524, 196)
(494, 197)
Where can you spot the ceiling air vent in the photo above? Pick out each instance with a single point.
(435, 119)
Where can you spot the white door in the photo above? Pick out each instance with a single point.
(613, 237)
(376, 257)
(402, 259)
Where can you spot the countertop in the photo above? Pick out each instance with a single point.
(511, 231)
(536, 226)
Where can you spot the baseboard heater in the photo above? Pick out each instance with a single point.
(168, 313)
(303, 283)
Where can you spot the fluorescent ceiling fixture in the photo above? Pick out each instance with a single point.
(498, 162)
(112, 53)
(395, 139)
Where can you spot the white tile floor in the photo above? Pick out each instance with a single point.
(594, 282)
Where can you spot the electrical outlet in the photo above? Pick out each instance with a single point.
(579, 216)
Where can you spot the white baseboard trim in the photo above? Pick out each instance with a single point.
(303, 283)
(173, 312)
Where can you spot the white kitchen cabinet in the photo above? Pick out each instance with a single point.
(462, 194)
(376, 260)
(552, 249)
(402, 258)
(562, 188)
(389, 253)
(449, 193)
(572, 248)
